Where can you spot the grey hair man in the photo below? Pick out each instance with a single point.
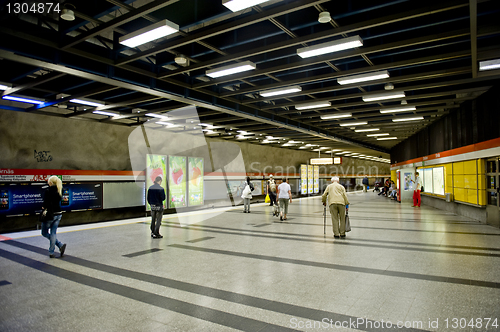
(336, 198)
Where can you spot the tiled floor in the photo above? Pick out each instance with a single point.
(420, 267)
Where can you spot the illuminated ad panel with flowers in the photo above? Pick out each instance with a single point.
(196, 193)
(177, 177)
(156, 165)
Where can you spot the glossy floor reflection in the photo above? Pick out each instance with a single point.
(422, 268)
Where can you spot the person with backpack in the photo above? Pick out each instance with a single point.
(271, 191)
(247, 195)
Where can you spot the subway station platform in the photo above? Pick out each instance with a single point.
(421, 269)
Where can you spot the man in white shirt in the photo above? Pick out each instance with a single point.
(416, 192)
(284, 194)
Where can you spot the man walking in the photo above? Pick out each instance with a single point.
(156, 196)
(338, 204)
(271, 191)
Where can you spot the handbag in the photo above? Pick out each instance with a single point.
(246, 191)
(268, 199)
(44, 216)
(347, 223)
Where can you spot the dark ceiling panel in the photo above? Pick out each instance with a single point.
(425, 46)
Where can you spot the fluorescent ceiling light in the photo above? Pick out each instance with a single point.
(265, 141)
(398, 109)
(85, 102)
(363, 77)
(23, 100)
(386, 138)
(375, 135)
(106, 113)
(315, 104)
(303, 147)
(408, 119)
(166, 123)
(241, 137)
(281, 91)
(329, 47)
(159, 116)
(231, 69)
(343, 152)
(322, 148)
(334, 150)
(4, 87)
(312, 145)
(294, 142)
(352, 124)
(336, 116)
(383, 96)
(149, 33)
(236, 5)
(489, 65)
(364, 130)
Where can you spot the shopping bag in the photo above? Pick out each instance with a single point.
(267, 200)
(347, 223)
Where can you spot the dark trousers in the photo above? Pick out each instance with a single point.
(156, 217)
(272, 196)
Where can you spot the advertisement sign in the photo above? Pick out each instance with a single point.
(427, 179)
(196, 181)
(156, 165)
(177, 181)
(303, 179)
(408, 177)
(27, 198)
(310, 179)
(316, 179)
(438, 180)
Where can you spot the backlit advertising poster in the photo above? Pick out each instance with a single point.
(408, 178)
(20, 199)
(303, 179)
(316, 179)
(156, 165)
(195, 167)
(310, 180)
(177, 177)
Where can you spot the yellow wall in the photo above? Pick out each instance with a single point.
(394, 176)
(466, 180)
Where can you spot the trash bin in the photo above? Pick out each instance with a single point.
(448, 197)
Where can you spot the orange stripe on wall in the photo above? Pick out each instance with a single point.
(493, 143)
(8, 171)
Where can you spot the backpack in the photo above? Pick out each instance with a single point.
(251, 186)
(272, 186)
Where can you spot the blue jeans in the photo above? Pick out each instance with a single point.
(52, 225)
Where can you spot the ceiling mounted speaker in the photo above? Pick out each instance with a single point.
(67, 15)
(389, 86)
(324, 17)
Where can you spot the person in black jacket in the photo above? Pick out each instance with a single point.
(52, 208)
(156, 196)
